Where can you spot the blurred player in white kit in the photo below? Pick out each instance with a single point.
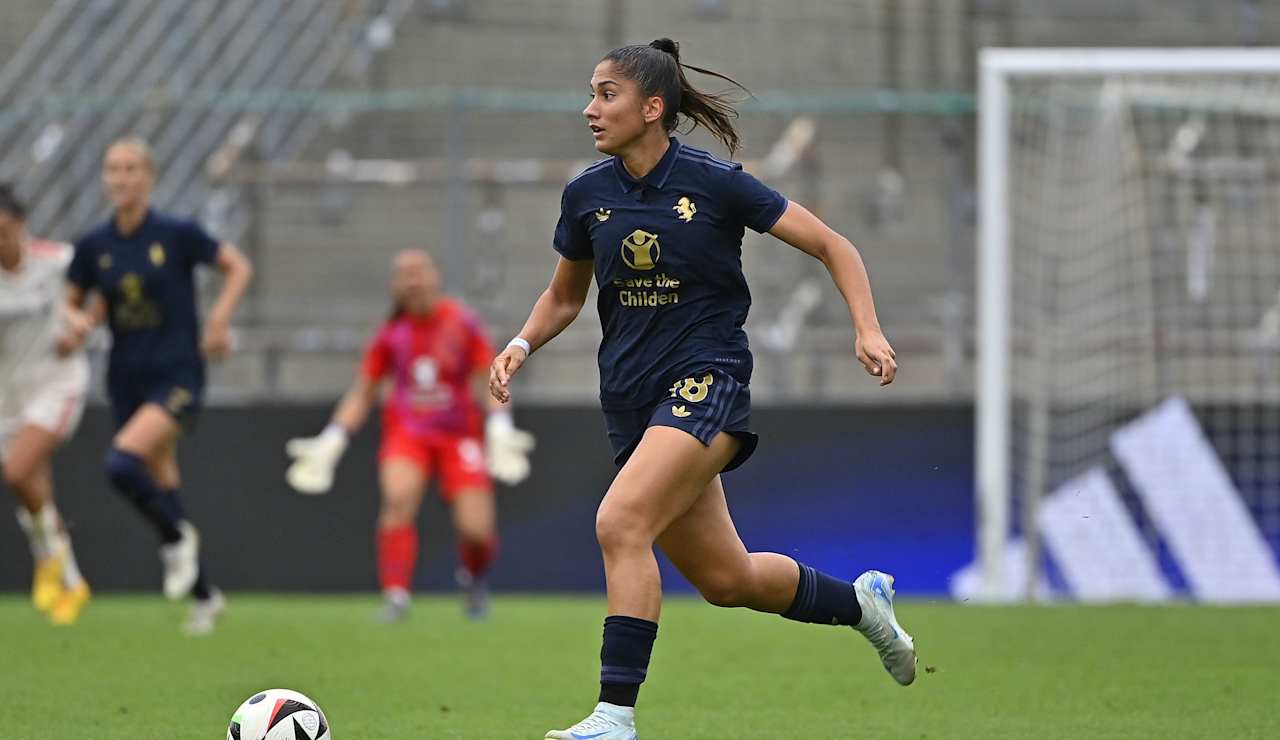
(42, 390)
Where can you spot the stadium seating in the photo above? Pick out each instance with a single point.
(210, 77)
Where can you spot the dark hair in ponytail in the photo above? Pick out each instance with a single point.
(9, 202)
(657, 69)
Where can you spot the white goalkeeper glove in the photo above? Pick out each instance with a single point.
(507, 449)
(315, 459)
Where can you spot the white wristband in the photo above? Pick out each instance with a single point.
(522, 344)
(334, 431)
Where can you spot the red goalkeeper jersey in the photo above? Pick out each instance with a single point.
(431, 360)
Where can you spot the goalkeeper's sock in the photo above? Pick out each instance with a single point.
(397, 554)
(821, 599)
(624, 658)
(478, 555)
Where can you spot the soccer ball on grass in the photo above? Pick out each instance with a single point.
(279, 714)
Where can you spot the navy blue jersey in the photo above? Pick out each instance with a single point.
(147, 280)
(668, 263)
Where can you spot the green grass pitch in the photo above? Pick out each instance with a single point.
(1030, 673)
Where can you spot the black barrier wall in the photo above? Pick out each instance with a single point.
(835, 487)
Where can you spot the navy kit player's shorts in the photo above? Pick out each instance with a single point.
(179, 392)
(709, 402)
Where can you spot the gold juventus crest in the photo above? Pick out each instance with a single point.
(640, 250)
(157, 254)
(685, 209)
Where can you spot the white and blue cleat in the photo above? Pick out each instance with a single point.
(879, 625)
(607, 722)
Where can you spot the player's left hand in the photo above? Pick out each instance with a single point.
(78, 324)
(217, 339)
(877, 356)
(507, 449)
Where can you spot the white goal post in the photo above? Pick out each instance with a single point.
(1164, 184)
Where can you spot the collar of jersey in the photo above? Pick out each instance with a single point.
(115, 225)
(657, 177)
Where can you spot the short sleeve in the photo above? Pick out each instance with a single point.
(201, 248)
(65, 253)
(82, 273)
(755, 204)
(377, 356)
(571, 239)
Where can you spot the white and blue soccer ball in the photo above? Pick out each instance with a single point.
(279, 714)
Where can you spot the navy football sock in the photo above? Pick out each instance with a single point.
(201, 590)
(624, 658)
(129, 475)
(821, 599)
(170, 504)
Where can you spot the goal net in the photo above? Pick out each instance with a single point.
(1129, 338)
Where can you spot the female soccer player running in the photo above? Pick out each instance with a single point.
(661, 225)
(41, 398)
(437, 355)
(143, 262)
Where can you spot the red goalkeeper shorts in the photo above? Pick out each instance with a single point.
(458, 461)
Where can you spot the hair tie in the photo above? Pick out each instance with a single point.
(667, 45)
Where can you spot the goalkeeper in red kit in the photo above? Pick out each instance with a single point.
(437, 420)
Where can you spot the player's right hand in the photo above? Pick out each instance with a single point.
(315, 459)
(503, 369)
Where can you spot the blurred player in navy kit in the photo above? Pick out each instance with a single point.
(660, 226)
(143, 262)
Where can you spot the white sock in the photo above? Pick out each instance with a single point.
(397, 596)
(70, 569)
(41, 529)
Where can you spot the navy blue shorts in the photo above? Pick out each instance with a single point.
(704, 405)
(180, 392)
